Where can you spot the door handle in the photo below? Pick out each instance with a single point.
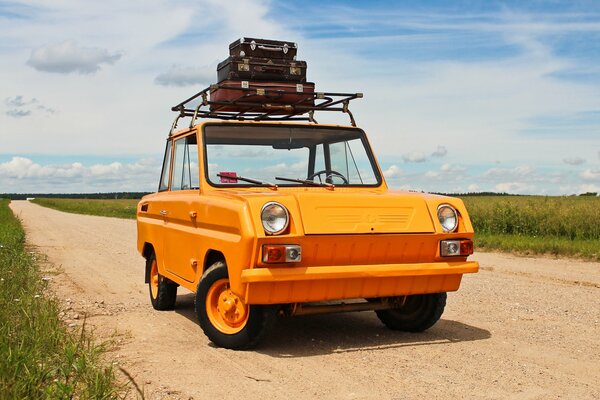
(163, 212)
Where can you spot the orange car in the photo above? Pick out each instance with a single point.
(265, 218)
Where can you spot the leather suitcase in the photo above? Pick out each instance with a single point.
(263, 48)
(261, 69)
(272, 93)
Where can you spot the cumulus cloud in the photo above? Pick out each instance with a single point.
(511, 187)
(520, 171)
(68, 57)
(19, 107)
(574, 160)
(441, 151)
(392, 172)
(473, 187)
(415, 157)
(452, 168)
(29, 176)
(591, 174)
(179, 75)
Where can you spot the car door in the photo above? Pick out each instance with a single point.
(180, 226)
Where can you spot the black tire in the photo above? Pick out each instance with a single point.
(259, 321)
(165, 293)
(418, 313)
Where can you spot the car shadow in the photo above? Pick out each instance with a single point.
(312, 335)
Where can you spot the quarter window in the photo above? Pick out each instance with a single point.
(164, 176)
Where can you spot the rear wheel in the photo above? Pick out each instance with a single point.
(224, 317)
(163, 292)
(416, 313)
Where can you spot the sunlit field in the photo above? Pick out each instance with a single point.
(537, 224)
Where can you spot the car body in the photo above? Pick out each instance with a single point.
(227, 188)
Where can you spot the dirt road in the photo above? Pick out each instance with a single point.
(522, 328)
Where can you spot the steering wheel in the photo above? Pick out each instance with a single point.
(328, 176)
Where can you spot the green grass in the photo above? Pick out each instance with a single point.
(537, 225)
(122, 208)
(40, 358)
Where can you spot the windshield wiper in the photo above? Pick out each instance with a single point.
(249, 180)
(306, 182)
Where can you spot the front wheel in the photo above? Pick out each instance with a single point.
(163, 292)
(415, 313)
(224, 317)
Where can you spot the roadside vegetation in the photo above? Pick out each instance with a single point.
(41, 358)
(568, 226)
(120, 208)
(537, 224)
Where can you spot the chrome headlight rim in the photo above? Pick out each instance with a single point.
(266, 227)
(440, 217)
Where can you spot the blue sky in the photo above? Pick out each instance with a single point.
(459, 96)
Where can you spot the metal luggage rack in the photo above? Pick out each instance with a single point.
(271, 109)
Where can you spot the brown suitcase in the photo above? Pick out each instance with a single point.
(261, 96)
(263, 48)
(261, 69)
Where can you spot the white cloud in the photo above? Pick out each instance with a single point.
(449, 168)
(512, 187)
(68, 56)
(473, 188)
(392, 172)
(179, 75)
(519, 171)
(414, 157)
(24, 175)
(590, 174)
(574, 160)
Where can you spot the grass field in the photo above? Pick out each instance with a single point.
(40, 358)
(537, 224)
(567, 226)
(122, 208)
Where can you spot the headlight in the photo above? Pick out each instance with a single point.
(275, 218)
(448, 217)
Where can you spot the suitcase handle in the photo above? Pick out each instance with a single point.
(267, 47)
(270, 69)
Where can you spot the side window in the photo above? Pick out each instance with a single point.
(185, 164)
(350, 159)
(164, 176)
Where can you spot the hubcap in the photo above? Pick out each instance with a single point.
(226, 311)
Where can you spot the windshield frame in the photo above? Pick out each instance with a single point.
(363, 138)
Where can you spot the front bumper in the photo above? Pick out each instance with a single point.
(321, 283)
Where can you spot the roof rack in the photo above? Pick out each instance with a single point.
(269, 106)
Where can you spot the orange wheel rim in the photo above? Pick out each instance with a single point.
(154, 279)
(226, 311)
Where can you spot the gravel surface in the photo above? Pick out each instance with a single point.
(522, 328)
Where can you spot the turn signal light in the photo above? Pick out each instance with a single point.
(462, 247)
(281, 253)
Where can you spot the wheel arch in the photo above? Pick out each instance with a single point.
(211, 257)
(147, 251)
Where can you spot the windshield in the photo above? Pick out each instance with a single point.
(256, 155)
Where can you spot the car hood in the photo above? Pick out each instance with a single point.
(355, 213)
